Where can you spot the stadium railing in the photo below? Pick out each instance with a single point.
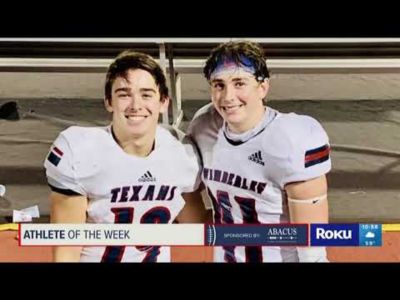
(187, 55)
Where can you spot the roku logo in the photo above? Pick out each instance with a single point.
(334, 234)
(321, 233)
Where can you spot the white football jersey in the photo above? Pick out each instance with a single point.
(245, 181)
(123, 188)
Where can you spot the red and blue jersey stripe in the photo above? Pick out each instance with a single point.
(316, 156)
(55, 156)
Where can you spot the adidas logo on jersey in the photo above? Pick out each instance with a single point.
(147, 177)
(256, 157)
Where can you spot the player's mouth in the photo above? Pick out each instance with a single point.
(135, 118)
(231, 108)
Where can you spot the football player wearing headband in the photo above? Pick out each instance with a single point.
(259, 165)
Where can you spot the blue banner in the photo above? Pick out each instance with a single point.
(334, 235)
(257, 235)
(346, 235)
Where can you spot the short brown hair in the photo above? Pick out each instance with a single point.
(128, 60)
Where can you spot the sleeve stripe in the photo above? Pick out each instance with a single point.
(58, 151)
(316, 156)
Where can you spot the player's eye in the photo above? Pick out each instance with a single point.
(218, 85)
(123, 95)
(147, 96)
(240, 83)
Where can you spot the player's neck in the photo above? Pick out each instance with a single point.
(249, 123)
(138, 146)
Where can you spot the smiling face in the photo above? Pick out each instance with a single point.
(238, 74)
(135, 104)
(238, 97)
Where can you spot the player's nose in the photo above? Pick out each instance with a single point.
(134, 103)
(229, 94)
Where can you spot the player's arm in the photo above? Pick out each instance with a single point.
(194, 210)
(308, 203)
(67, 209)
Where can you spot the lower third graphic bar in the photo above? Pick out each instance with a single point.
(257, 235)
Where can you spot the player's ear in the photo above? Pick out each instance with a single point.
(264, 88)
(164, 104)
(107, 104)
